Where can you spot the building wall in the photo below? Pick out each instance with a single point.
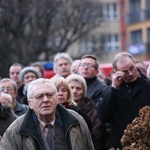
(142, 25)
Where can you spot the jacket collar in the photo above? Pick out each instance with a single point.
(91, 80)
(30, 125)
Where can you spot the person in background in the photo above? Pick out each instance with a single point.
(65, 98)
(14, 71)
(62, 64)
(123, 99)
(101, 76)
(78, 87)
(7, 115)
(9, 86)
(30, 131)
(75, 66)
(89, 69)
(142, 67)
(27, 75)
(39, 67)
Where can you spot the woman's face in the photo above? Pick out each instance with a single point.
(62, 94)
(77, 90)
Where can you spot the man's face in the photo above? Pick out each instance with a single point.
(63, 67)
(14, 73)
(8, 87)
(44, 100)
(87, 68)
(77, 90)
(128, 67)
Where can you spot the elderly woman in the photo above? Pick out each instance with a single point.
(78, 87)
(65, 98)
(26, 75)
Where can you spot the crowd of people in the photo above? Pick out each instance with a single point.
(77, 109)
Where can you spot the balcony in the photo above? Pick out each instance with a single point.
(140, 16)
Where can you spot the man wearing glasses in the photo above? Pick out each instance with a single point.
(9, 86)
(129, 92)
(47, 125)
(88, 68)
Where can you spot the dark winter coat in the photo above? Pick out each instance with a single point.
(121, 106)
(87, 106)
(6, 118)
(20, 109)
(25, 133)
(94, 89)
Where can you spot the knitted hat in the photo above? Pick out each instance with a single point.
(26, 70)
(80, 79)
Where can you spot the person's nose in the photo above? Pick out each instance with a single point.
(60, 92)
(74, 90)
(45, 98)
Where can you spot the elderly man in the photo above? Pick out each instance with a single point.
(45, 118)
(129, 92)
(9, 86)
(62, 64)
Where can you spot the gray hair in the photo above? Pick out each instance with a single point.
(9, 80)
(26, 70)
(59, 56)
(8, 97)
(37, 82)
(80, 79)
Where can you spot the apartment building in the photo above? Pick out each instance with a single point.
(106, 38)
(138, 28)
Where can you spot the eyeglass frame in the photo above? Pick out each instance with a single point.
(88, 65)
(42, 95)
(9, 88)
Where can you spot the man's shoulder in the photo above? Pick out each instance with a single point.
(16, 124)
(76, 115)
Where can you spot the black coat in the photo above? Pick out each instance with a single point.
(120, 108)
(94, 89)
(6, 118)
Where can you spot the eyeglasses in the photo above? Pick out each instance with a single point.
(88, 65)
(41, 96)
(8, 88)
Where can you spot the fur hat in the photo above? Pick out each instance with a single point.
(80, 79)
(26, 70)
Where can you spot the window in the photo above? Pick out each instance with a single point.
(136, 36)
(111, 43)
(134, 6)
(87, 45)
(109, 11)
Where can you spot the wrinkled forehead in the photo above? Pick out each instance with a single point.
(42, 88)
(124, 63)
(6, 83)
